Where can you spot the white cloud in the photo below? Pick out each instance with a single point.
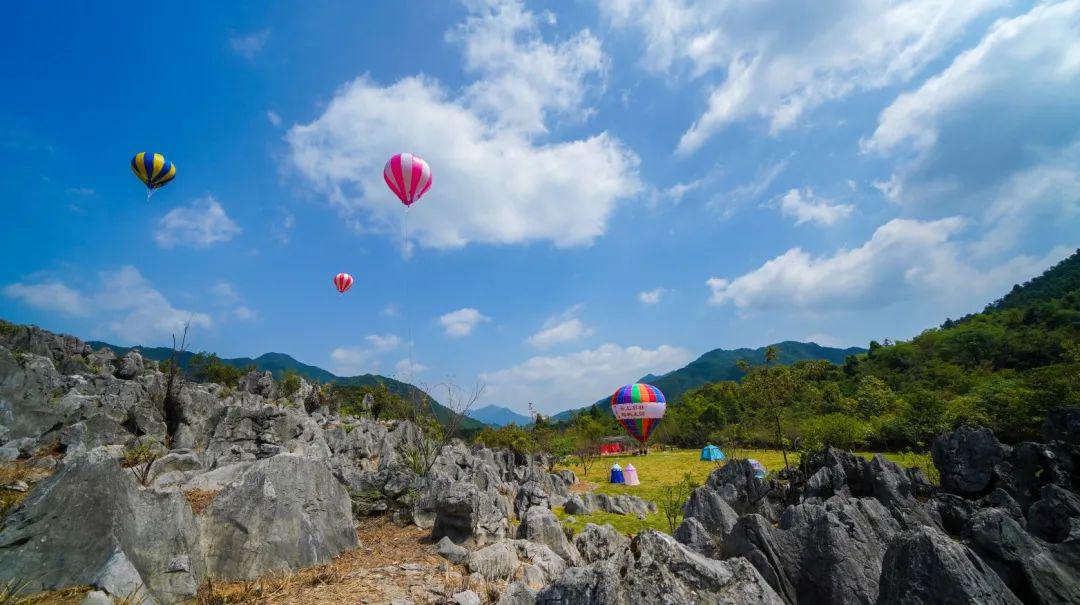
(461, 322)
(565, 327)
(245, 313)
(282, 230)
(225, 295)
(225, 292)
(523, 79)
(145, 315)
(559, 383)
(199, 225)
(390, 310)
(651, 297)
(80, 191)
(727, 203)
(49, 296)
(249, 45)
(363, 359)
(495, 182)
(904, 259)
(383, 342)
(273, 117)
(996, 134)
(779, 60)
(350, 361)
(805, 207)
(404, 369)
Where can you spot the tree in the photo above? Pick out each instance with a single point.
(173, 383)
(773, 389)
(435, 431)
(673, 498)
(587, 432)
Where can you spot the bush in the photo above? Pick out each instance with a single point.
(290, 383)
(837, 430)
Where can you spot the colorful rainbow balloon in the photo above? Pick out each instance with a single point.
(638, 408)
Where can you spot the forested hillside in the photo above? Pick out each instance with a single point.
(1002, 368)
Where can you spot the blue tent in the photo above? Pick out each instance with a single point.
(617, 474)
(712, 453)
(759, 469)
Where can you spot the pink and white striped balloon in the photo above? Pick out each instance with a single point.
(343, 281)
(408, 176)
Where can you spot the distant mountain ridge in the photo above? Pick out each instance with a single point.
(278, 363)
(497, 416)
(722, 364)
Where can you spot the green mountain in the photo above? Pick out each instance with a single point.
(723, 364)
(279, 363)
(499, 416)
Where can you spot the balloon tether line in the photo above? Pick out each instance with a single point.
(408, 315)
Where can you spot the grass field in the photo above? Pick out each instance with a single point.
(667, 468)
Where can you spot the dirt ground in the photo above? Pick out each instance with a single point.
(394, 565)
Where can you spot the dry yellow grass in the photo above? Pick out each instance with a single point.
(200, 499)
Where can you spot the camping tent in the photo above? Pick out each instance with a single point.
(616, 473)
(759, 469)
(711, 452)
(630, 475)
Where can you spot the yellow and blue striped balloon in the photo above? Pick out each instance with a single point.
(153, 170)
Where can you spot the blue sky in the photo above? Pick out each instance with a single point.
(619, 187)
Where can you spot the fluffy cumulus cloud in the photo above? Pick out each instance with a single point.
(49, 296)
(522, 80)
(777, 60)
(805, 207)
(651, 297)
(562, 328)
(996, 134)
(497, 179)
(557, 383)
(129, 306)
(142, 314)
(462, 322)
(903, 259)
(366, 358)
(201, 224)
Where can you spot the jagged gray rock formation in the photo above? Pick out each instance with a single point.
(657, 569)
(925, 567)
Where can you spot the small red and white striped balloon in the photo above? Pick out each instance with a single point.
(343, 281)
(408, 176)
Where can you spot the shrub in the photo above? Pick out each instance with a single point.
(139, 459)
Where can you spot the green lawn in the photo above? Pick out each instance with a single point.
(666, 468)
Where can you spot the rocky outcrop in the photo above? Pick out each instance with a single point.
(541, 526)
(280, 513)
(966, 459)
(583, 504)
(599, 542)
(1036, 572)
(657, 569)
(925, 567)
(90, 523)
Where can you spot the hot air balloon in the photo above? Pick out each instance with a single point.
(638, 408)
(408, 176)
(153, 170)
(343, 281)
